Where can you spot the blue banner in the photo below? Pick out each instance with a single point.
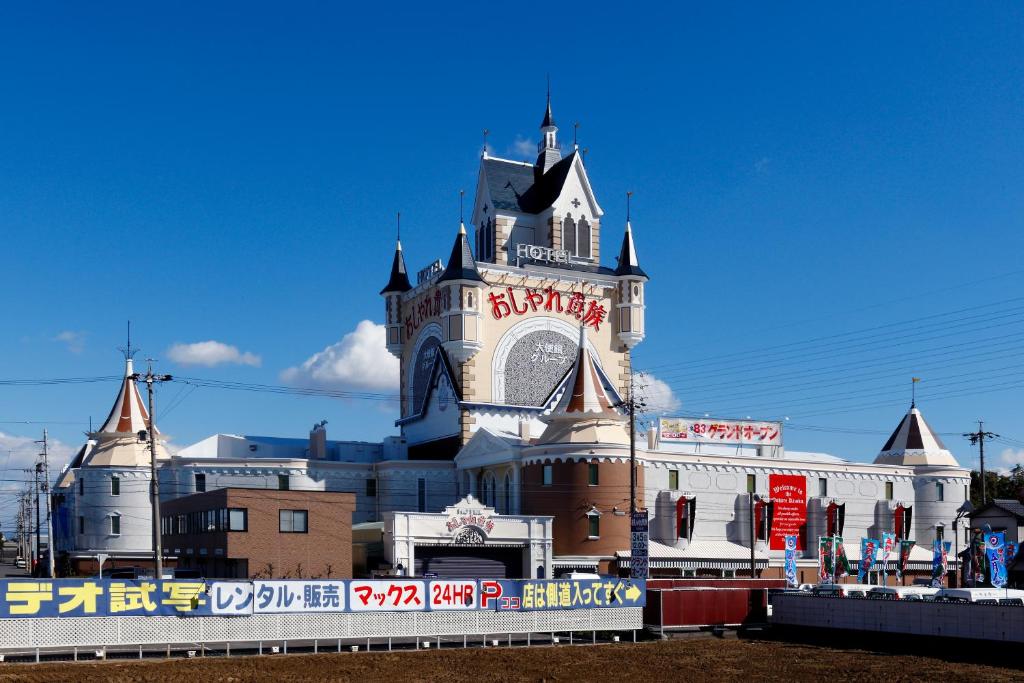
(111, 597)
(939, 551)
(504, 594)
(101, 598)
(868, 550)
(995, 551)
(791, 578)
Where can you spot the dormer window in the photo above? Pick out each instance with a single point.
(576, 236)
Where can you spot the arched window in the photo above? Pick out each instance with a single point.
(569, 235)
(508, 494)
(583, 238)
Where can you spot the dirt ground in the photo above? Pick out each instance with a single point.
(674, 660)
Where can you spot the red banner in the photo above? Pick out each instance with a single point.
(789, 492)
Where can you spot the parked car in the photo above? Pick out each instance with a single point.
(903, 592)
(984, 596)
(842, 590)
(20, 563)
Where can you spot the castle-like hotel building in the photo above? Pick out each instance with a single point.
(512, 457)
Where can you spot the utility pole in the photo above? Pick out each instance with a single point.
(39, 541)
(154, 485)
(979, 437)
(753, 536)
(49, 520)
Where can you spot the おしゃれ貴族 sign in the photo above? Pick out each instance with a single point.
(789, 494)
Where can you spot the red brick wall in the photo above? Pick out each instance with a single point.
(569, 498)
(263, 551)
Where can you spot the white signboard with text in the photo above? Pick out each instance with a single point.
(710, 430)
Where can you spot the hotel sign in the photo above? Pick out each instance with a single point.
(536, 253)
(732, 432)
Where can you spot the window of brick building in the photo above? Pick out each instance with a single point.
(592, 474)
(548, 475)
(115, 525)
(200, 483)
(294, 522)
(673, 480)
(115, 486)
(282, 482)
(371, 488)
(594, 525)
(238, 519)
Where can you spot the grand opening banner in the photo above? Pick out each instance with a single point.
(111, 597)
(789, 493)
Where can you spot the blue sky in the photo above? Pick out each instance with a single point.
(231, 173)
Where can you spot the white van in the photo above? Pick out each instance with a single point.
(992, 596)
(903, 592)
(842, 590)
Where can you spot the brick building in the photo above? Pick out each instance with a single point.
(244, 533)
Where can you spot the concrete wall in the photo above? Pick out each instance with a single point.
(952, 620)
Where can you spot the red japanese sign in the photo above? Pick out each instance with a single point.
(575, 304)
(721, 431)
(789, 493)
(389, 596)
(427, 306)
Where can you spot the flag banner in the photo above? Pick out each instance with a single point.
(791, 578)
(113, 598)
(995, 550)
(825, 559)
(888, 543)
(939, 552)
(868, 549)
(904, 558)
(842, 562)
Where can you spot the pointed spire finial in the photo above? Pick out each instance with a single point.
(913, 391)
(462, 213)
(575, 134)
(127, 351)
(629, 199)
(398, 228)
(486, 133)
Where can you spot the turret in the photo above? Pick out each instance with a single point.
(462, 286)
(631, 292)
(548, 151)
(397, 285)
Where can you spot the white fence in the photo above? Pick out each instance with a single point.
(64, 633)
(1003, 623)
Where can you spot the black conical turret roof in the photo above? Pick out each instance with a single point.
(461, 265)
(399, 281)
(628, 262)
(549, 119)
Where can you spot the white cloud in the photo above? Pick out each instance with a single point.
(211, 353)
(75, 341)
(523, 147)
(657, 394)
(1009, 458)
(359, 361)
(18, 453)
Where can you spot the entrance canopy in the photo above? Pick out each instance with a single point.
(468, 540)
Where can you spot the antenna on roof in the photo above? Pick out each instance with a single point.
(127, 350)
(913, 391)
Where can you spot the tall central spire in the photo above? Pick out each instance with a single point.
(548, 151)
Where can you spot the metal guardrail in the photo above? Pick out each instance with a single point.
(20, 636)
